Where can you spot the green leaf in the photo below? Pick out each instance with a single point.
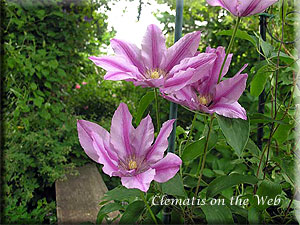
(239, 34)
(221, 183)
(144, 103)
(217, 214)
(252, 147)
(282, 133)
(258, 83)
(61, 72)
(195, 149)
(45, 114)
(38, 101)
(18, 94)
(261, 118)
(132, 213)
(254, 216)
(266, 48)
(108, 208)
(174, 186)
(53, 63)
(121, 194)
(236, 132)
(266, 191)
(48, 85)
(33, 86)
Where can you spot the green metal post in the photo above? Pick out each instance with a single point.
(173, 107)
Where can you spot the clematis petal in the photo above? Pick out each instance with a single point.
(153, 47)
(129, 51)
(231, 110)
(119, 76)
(212, 80)
(161, 143)
(230, 5)
(93, 140)
(261, 6)
(144, 136)
(166, 168)
(243, 8)
(118, 66)
(231, 88)
(189, 71)
(185, 96)
(140, 181)
(185, 47)
(121, 131)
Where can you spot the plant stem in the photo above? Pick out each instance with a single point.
(204, 157)
(148, 207)
(191, 130)
(229, 47)
(157, 109)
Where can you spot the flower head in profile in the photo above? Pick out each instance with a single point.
(243, 8)
(209, 96)
(153, 63)
(129, 152)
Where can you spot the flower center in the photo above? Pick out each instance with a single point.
(204, 100)
(132, 164)
(155, 73)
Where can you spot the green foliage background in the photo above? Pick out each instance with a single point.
(47, 44)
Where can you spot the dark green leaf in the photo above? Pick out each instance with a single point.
(132, 213)
(261, 118)
(174, 186)
(217, 214)
(258, 83)
(221, 183)
(254, 216)
(144, 103)
(266, 47)
(196, 149)
(121, 194)
(108, 208)
(240, 34)
(266, 195)
(236, 132)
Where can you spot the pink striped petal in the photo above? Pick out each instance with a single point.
(116, 65)
(189, 71)
(213, 79)
(153, 47)
(140, 181)
(231, 88)
(231, 110)
(166, 168)
(93, 139)
(129, 51)
(144, 136)
(161, 142)
(121, 132)
(262, 6)
(185, 47)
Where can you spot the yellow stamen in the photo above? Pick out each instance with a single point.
(132, 165)
(203, 100)
(155, 75)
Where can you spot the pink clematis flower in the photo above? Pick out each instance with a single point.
(128, 152)
(153, 63)
(209, 96)
(243, 8)
(77, 86)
